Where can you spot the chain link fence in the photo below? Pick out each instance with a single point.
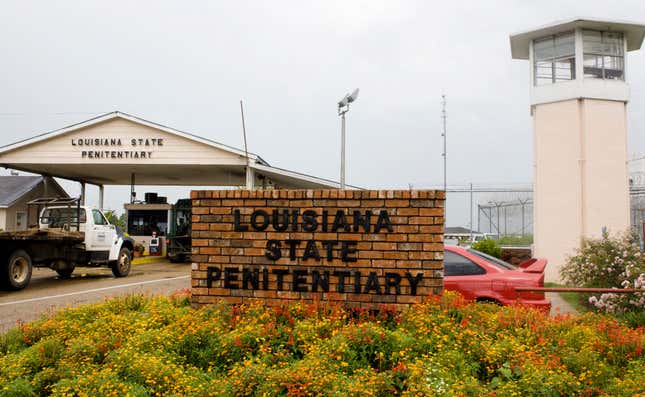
(637, 196)
(506, 212)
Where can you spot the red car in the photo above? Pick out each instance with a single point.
(484, 278)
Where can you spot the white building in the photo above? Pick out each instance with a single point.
(16, 191)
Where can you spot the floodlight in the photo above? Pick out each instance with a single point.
(353, 96)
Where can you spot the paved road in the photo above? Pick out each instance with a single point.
(47, 293)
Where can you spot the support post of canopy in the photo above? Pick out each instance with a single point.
(250, 178)
(45, 186)
(83, 193)
(132, 192)
(101, 192)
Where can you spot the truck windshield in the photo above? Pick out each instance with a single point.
(58, 217)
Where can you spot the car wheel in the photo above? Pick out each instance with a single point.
(121, 267)
(177, 258)
(65, 273)
(17, 271)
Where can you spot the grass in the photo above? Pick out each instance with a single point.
(632, 319)
(516, 241)
(572, 298)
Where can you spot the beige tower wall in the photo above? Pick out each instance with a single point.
(557, 175)
(606, 176)
(580, 175)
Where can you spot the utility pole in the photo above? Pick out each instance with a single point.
(444, 154)
(250, 174)
(523, 203)
(471, 212)
(490, 219)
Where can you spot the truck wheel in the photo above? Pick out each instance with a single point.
(65, 273)
(121, 267)
(17, 272)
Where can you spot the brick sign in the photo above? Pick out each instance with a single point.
(363, 247)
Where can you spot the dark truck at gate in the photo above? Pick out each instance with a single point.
(179, 241)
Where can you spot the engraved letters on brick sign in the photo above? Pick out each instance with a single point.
(361, 247)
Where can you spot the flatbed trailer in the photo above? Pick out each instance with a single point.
(46, 245)
(36, 234)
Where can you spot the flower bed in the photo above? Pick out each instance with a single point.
(161, 346)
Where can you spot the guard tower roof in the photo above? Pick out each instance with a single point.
(634, 33)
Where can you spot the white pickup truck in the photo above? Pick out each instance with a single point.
(67, 235)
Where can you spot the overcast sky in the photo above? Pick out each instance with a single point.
(186, 64)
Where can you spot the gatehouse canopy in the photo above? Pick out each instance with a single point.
(121, 149)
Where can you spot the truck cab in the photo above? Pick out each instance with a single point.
(101, 240)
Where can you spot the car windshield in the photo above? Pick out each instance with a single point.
(492, 260)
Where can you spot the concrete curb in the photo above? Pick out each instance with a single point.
(148, 259)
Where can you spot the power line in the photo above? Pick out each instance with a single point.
(22, 114)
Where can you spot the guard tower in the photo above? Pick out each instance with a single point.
(579, 96)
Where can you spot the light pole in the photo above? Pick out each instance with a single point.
(343, 107)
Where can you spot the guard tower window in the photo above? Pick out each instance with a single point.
(603, 55)
(554, 58)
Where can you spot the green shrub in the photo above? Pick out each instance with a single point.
(489, 246)
(632, 319)
(516, 241)
(609, 262)
(116, 220)
(17, 388)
